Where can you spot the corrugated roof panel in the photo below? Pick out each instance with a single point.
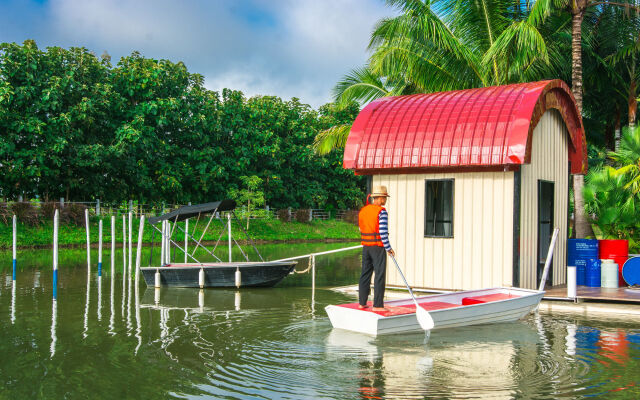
(477, 127)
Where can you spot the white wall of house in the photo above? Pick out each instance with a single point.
(479, 255)
(550, 162)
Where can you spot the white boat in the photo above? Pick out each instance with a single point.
(471, 307)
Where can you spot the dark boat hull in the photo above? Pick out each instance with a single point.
(220, 275)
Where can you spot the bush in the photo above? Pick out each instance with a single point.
(303, 215)
(5, 215)
(73, 213)
(351, 216)
(48, 209)
(26, 213)
(283, 215)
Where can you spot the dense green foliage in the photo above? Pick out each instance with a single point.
(612, 193)
(72, 125)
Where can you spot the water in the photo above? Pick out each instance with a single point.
(278, 343)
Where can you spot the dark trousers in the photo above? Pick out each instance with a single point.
(374, 259)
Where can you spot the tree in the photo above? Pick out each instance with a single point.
(446, 45)
(577, 9)
(249, 194)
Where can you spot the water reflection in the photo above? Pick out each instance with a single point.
(265, 343)
(13, 302)
(54, 319)
(86, 307)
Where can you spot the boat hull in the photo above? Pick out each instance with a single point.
(220, 275)
(516, 304)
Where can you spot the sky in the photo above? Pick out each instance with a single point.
(287, 48)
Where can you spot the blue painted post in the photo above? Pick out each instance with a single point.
(55, 254)
(15, 241)
(100, 247)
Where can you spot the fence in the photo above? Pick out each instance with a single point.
(148, 210)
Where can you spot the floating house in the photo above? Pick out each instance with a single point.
(478, 180)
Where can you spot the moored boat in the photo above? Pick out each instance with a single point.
(471, 307)
(216, 274)
(220, 275)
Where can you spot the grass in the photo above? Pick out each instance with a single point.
(269, 230)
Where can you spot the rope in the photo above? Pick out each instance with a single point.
(312, 261)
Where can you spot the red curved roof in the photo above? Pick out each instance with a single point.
(485, 127)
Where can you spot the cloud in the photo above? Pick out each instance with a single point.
(288, 48)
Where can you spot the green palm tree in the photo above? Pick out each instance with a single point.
(446, 45)
(614, 207)
(627, 159)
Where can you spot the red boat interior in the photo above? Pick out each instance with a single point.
(431, 305)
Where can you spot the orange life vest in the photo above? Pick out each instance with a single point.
(369, 225)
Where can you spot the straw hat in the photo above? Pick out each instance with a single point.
(379, 191)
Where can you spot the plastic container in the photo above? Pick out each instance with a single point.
(608, 274)
(631, 271)
(616, 250)
(579, 252)
(593, 273)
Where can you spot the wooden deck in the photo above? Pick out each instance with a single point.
(619, 295)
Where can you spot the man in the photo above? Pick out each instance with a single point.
(373, 221)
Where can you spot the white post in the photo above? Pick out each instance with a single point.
(100, 247)
(229, 229)
(162, 242)
(55, 254)
(61, 202)
(15, 243)
(98, 207)
(130, 242)
(124, 251)
(547, 263)
(139, 252)
(86, 218)
(168, 239)
(113, 246)
(571, 281)
(186, 238)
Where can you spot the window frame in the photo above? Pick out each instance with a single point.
(426, 200)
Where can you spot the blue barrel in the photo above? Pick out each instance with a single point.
(579, 252)
(593, 273)
(631, 271)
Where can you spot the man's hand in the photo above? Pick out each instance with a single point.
(392, 253)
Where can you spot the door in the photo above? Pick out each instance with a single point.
(545, 226)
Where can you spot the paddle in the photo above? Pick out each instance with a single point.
(424, 318)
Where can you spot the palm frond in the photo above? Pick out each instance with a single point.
(361, 85)
(331, 139)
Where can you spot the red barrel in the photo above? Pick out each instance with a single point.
(616, 250)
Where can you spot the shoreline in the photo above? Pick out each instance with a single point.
(107, 245)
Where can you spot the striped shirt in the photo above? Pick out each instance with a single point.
(383, 222)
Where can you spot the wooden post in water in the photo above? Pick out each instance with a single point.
(55, 254)
(130, 240)
(15, 243)
(139, 250)
(86, 218)
(100, 248)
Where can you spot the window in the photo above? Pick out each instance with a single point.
(438, 220)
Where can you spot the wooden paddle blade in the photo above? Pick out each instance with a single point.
(424, 318)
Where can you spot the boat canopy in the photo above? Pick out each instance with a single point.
(186, 212)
